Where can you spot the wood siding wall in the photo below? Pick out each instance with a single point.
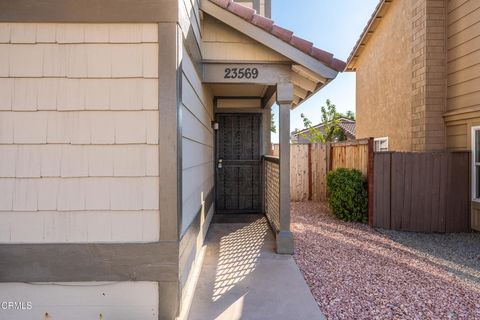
(463, 91)
(422, 192)
(197, 113)
(79, 133)
(222, 42)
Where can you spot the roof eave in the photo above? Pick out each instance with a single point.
(377, 15)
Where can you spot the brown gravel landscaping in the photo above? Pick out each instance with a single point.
(357, 272)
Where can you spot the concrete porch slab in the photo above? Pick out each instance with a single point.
(243, 278)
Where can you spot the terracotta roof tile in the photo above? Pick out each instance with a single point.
(222, 3)
(241, 11)
(322, 55)
(302, 44)
(281, 33)
(338, 65)
(262, 22)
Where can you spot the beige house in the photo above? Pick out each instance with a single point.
(418, 81)
(124, 127)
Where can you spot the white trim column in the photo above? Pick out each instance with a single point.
(284, 100)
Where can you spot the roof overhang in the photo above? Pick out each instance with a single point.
(367, 33)
(308, 72)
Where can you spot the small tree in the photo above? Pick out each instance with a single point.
(273, 126)
(330, 131)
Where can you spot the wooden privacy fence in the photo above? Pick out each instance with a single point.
(310, 163)
(422, 192)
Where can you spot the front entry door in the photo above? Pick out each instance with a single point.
(238, 163)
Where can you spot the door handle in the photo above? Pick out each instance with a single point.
(220, 164)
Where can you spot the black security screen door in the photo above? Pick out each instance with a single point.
(238, 180)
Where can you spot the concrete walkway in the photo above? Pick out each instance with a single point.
(242, 278)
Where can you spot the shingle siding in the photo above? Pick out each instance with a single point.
(79, 132)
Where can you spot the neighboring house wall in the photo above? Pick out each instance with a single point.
(79, 144)
(463, 104)
(384, 86)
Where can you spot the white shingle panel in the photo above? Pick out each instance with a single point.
(99, 60)
(96, 33)
(150, 32)
(4, 32)
(25, 94)
(126, 194)
(127, 60)
(30, 127)
(130, 127)
(47, 189)
(126, 33)
(51, 156)
(151, 226)
(46, 32)
(126, 94)
(28, 162)
(150, 94)
(150, 60)
(54, 60)
(47, 93)
(26, 60)
(97, 193)
(152, 120)
(129, 161)
(6, 127)
(27, 227)
(76, 61)
(81, 127)
(127, 226)
(152, 160)
(97, 94)
(23, 32)
(8, 157)
(59, 127)
(7, 188)
(70, 33)
(4, 60)
(6, 93)
(151, 191)
(25, 195)
(100, 161)
(71, 194)
(103, 128)
(99, 225)
(74, 161)
(71, 94)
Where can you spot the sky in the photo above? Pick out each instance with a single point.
(334, 26)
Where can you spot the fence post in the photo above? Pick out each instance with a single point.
(370, 170)
(310, 173)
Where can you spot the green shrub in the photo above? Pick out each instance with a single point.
(348, 194)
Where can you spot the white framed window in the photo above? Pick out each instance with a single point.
(380, 144)
(476, 163)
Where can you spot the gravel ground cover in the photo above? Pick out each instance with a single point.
(357, 272)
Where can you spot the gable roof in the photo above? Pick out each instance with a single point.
(348, 125)
(285, 35)
(312, 67)
(367, 33)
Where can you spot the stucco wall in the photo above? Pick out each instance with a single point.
(78, 133)
(384, 80)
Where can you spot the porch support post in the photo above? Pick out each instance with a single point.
(284, 100)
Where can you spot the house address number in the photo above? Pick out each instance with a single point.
(241, 73)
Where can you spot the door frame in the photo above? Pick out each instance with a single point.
(261, 136)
